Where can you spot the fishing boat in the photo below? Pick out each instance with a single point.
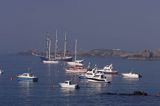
(27, 77)
(68, 84)
(48, 59)
(75, 62)
(131, 75)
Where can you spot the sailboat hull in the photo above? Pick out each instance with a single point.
(50, 62)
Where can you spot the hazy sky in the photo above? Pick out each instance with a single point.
(125, 24)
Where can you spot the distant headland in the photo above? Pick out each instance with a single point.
(145, 54)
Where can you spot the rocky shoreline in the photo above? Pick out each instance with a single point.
(140, 55)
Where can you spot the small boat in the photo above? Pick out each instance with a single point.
(131, 75)
(27, 77)
(68, 84)
(98, 77)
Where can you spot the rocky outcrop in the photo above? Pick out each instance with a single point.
(142, 55)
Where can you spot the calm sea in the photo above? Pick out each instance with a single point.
(46, 92)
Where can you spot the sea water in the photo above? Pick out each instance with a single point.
(47, 92)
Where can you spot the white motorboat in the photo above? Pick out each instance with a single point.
(131, 75)
(98, 77)
(68, 84)
(76, 69)
(108, 69)
(27, 77)
(90, 74)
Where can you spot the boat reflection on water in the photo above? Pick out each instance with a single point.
(26, 87)
(96, 87)
(25, 84)
(68, 91)
(130, 79)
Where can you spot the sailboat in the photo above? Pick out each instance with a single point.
(75, 62)
(64, 57)
(48, 59)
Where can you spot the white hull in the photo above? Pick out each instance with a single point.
(68, 84)
(130, 75)
(76, 70)
(98, 78)
(27, 77)
(74, 64)
(93, 80)
(63, 85)
(50, 62)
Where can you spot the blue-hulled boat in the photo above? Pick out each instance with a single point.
(27, 77)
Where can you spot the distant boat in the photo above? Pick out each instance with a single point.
(75, 62)
(108, 69)
(48, 59)
(27, 77)
(68, 84)
(131, 75)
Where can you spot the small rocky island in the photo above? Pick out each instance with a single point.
(140, 55)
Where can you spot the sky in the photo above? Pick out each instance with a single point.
(105, 24)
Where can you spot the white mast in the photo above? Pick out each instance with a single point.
(49, 48)
(65, 44)
(75, 58)
(56, 46)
